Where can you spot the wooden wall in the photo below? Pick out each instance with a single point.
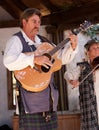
(69, 122)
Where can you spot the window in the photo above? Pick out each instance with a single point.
(11, 83)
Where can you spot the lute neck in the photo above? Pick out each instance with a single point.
(59, 46)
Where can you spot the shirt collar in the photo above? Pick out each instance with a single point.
(29, 41)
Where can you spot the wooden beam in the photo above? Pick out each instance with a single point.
(49, 5)
(11, 7)
(68, 19)
(11, 23)
(20, 4)
(78, 14)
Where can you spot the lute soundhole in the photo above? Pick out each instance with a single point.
(44, 69)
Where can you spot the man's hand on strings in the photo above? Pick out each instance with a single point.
(42, 61)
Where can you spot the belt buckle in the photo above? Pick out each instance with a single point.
(47, 116)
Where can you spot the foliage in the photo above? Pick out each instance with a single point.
(93, 32)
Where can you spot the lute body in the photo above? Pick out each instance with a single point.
(34, 79)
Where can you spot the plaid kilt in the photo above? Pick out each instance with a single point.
(88, 104)
(36, 121)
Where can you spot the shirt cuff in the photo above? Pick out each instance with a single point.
(30, 61)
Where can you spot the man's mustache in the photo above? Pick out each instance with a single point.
(36, 28)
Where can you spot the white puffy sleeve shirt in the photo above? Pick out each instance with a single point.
(14, 59)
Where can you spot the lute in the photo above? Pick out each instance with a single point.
(37, 79)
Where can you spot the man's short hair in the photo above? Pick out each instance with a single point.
(28, 13)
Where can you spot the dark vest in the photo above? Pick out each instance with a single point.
(39, 101)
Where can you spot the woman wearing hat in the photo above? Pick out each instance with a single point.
(89, 87)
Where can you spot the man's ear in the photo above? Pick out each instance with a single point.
(24, 22)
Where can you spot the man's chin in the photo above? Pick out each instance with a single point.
(36, 31)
